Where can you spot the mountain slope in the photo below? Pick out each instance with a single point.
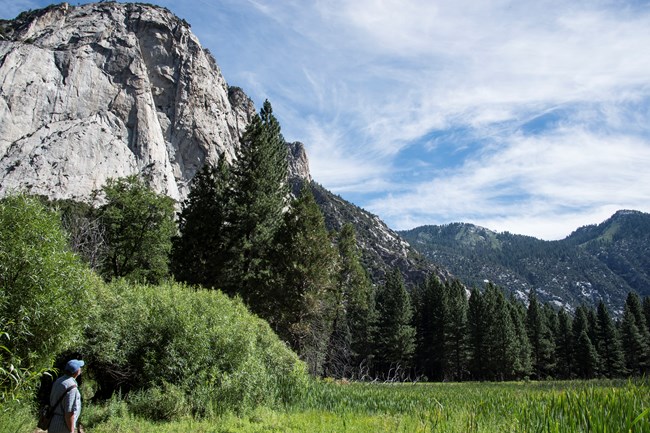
(603, 261)
(113, 89)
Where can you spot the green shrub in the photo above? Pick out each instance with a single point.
(159, 403)
(43, 292)
(202, 342)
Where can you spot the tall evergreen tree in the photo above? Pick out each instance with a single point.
(301, 303)
(608, 344)
(539, 336)
(456, 331)
(585, 360)
(395, 339)
(430, 305)
(634, 344)
(200, 250)
(633, 304)
(523, 365)
(646, 311)
(258, 191)
(564, 346)
(352, 336)
(500, 335)
(477, 324)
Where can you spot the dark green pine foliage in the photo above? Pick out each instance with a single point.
(523, 366)
(456, 349)
(500, 336)
(350, 349)
(646, 311)
(477, 324)
(540, 338)
(199, 251)
(608, 344)
(633, 337)
(258, 192)
(395, 336)
(430, 306)
(139, 226)
(564, 346)
(585, 361)
(301, 304)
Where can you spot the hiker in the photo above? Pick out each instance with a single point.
(66, 413)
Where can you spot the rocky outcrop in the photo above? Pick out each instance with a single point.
(107, 90)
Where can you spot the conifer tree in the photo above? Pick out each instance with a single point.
(585, 355)
(564, 346)
(395, 339)
(540, 338)
(634, 345)
(608, 344)
(646, 311)
(633, 305)
(523, 366)
(456, 331)
(301, 303)
(200, 250)
(477, 324)
(258, 195)
(355, 306)
(430, 305)
(500, 335)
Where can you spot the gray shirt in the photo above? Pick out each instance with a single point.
(70, 403)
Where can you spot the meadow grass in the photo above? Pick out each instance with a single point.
(332, 407)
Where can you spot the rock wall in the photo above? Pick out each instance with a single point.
(107, 90)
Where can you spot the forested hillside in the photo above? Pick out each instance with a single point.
(599, 262)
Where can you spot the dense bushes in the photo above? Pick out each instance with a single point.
(157, 341)
(43, 292)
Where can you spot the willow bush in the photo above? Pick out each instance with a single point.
(145, 340)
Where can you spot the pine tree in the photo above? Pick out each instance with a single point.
(258, 190)
(301, 303)
(646, 311)
(456, 331)
(430, 305)
(539, 336)
(500, 335)
(355, 307)
(395, 339)
(633, 304)
(564, 346)
(634, 345)
(200, 250)
(477, 325)
(523, 365)
(585, 362)
(608, 344)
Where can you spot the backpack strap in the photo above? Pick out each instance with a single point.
(68, 389)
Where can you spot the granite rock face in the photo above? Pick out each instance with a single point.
(107, 90)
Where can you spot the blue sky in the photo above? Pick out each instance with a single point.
(525, 116)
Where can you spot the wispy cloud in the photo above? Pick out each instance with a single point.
(528, 116)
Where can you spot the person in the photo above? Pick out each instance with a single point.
(66, 413)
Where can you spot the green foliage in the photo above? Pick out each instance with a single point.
(209, 346)
(540, 337)
(139, 226)
(395, 336)
(43, 292)
(258, 191)
(301, 304)
(200, 250)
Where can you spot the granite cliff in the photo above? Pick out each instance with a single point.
(112, 89)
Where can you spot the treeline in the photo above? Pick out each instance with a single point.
(490, 336)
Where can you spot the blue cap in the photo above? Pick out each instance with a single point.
(73, 365)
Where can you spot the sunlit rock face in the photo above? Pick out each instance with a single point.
(107, 90)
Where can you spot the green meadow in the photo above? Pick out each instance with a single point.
(566, 407)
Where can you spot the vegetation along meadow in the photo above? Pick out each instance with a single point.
(244, 313)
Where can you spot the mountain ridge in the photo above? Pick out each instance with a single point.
(599, 261)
